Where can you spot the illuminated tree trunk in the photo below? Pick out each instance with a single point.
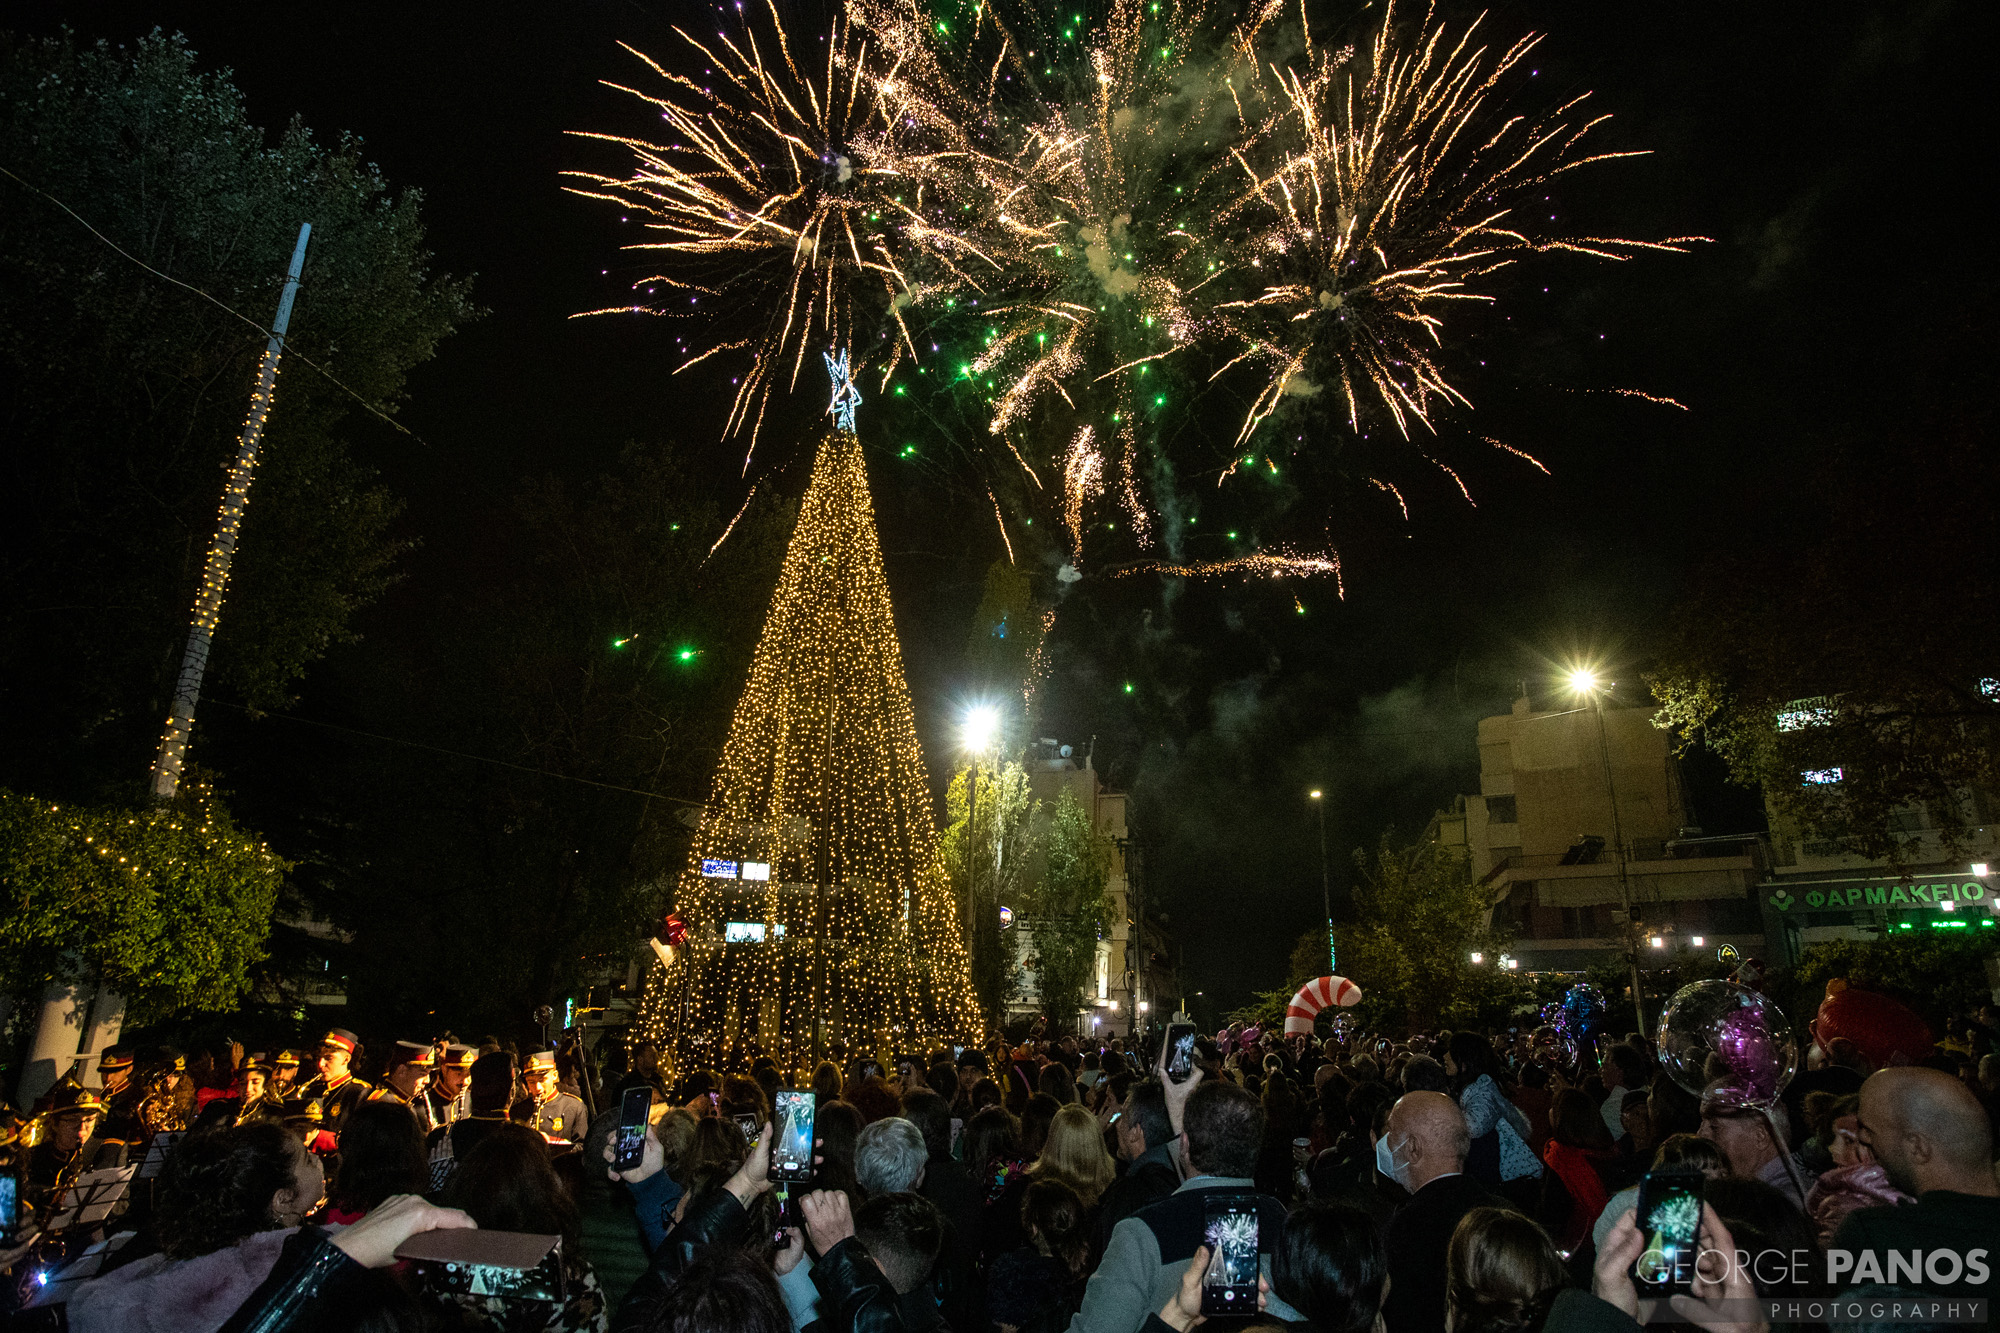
(854, 936)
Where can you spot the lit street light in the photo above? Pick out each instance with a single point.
(1585, 681)
(1325, 880)
(980, 728)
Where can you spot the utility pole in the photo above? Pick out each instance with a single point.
(1325, 882)
(1618, 849)
(222, 551)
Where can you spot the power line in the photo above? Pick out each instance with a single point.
(461, 754)
(218, 304)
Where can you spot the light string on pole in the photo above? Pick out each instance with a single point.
(222, 549)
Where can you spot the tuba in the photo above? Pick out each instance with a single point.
(159, 1111)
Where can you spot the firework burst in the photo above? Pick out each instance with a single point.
(1117, 137)
(798, 205)
(1401, 185)
(1075, 224)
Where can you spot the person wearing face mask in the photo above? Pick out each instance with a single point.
(1423, 1148)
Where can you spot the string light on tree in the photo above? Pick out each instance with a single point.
(851, 933)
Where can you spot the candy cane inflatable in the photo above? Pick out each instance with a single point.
(1314, 996)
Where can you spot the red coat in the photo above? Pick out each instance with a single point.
(1577, 1169)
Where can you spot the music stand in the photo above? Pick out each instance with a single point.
(156, 1155)
(92, 1197)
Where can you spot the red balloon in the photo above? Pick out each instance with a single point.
(1884, 1030)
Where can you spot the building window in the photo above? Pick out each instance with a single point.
(1502, 810)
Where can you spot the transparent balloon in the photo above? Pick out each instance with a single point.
(1728, 1043)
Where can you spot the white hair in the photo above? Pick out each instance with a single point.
(889, 1156)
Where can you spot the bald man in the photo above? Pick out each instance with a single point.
(1933, 1138)
(1423, 1148)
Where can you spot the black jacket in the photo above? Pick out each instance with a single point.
(950, 1187)
(1149, 1179)
(854, 1297)
(716, 1218)
(1417, 1237)
(311, 1280)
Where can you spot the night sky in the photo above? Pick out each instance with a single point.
(1834, 153)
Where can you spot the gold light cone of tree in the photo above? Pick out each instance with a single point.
(822, 780)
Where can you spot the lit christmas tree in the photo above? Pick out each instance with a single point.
(816, 905)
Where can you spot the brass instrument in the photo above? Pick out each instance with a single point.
(158, 1110)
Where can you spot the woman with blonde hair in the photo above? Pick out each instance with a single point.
(1074, 1154)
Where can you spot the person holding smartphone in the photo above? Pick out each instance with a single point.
(1219, 1127)
(725, 1218)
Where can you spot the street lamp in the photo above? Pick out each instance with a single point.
(980, 728)
(1478, 957)
(1325, 880)
(1586, 682)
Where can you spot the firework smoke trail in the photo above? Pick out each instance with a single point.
(799, 206)
(1400, 188)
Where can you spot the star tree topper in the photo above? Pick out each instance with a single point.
(845, 396)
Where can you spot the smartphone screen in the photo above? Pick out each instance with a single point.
(634, 1121)
(1180, 1052)
(1669, 1213)
(1229, 1287)
(751, 1127)
(792, 1142)
(10, 1207)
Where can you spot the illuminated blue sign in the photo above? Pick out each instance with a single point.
(711, 868)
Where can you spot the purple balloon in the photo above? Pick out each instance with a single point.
(1718, 1039)
(1746, 1050)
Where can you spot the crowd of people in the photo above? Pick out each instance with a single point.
(1448, 1181)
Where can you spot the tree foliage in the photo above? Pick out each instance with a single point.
(991, 864)
(1065, 907)
(1938, 974)
(167, 905)
(1420, 918)
(1865, 651)
(597, 657)
(126, 393)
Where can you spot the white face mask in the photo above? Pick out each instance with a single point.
(1390, 1164)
